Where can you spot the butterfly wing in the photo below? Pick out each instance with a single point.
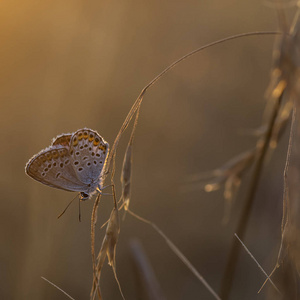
(63, 140)
(53, 167)
(88, 151)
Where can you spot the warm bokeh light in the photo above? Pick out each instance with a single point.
(66, 65)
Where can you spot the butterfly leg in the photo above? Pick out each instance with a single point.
(100, 189)
(79, 211)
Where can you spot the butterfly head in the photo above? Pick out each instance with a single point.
(84, 196)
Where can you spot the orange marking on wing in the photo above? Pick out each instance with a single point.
(91, 138)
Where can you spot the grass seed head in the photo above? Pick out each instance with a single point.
(126, 176)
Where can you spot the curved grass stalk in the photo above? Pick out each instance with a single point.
(139, 99)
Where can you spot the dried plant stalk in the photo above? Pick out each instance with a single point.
(231, 173)
(179, 254)
(243, 221)
(258, 264)
(139, 99)
(287, 74)
(108, 247)
(57, 287)
(93, 225)
(127, 164)
(284, 80)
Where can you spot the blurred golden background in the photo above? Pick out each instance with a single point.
(72, 64)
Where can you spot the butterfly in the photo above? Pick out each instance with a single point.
(74, 162)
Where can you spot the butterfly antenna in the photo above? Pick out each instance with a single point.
(68, 206)
(79, 213)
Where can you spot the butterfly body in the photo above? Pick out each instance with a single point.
(74, 162)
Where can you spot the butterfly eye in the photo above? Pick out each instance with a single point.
(84, 196)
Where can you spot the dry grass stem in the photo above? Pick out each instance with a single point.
(259, 266)
(284, 80)
(230, 175)
(58, 288)
(108, 247)
(243, 221)
(127, 165)
(281, 123)
(93, 225)
(268, 278)
(279, 127)
(178, 254)
(286, 76)
(139, 99)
